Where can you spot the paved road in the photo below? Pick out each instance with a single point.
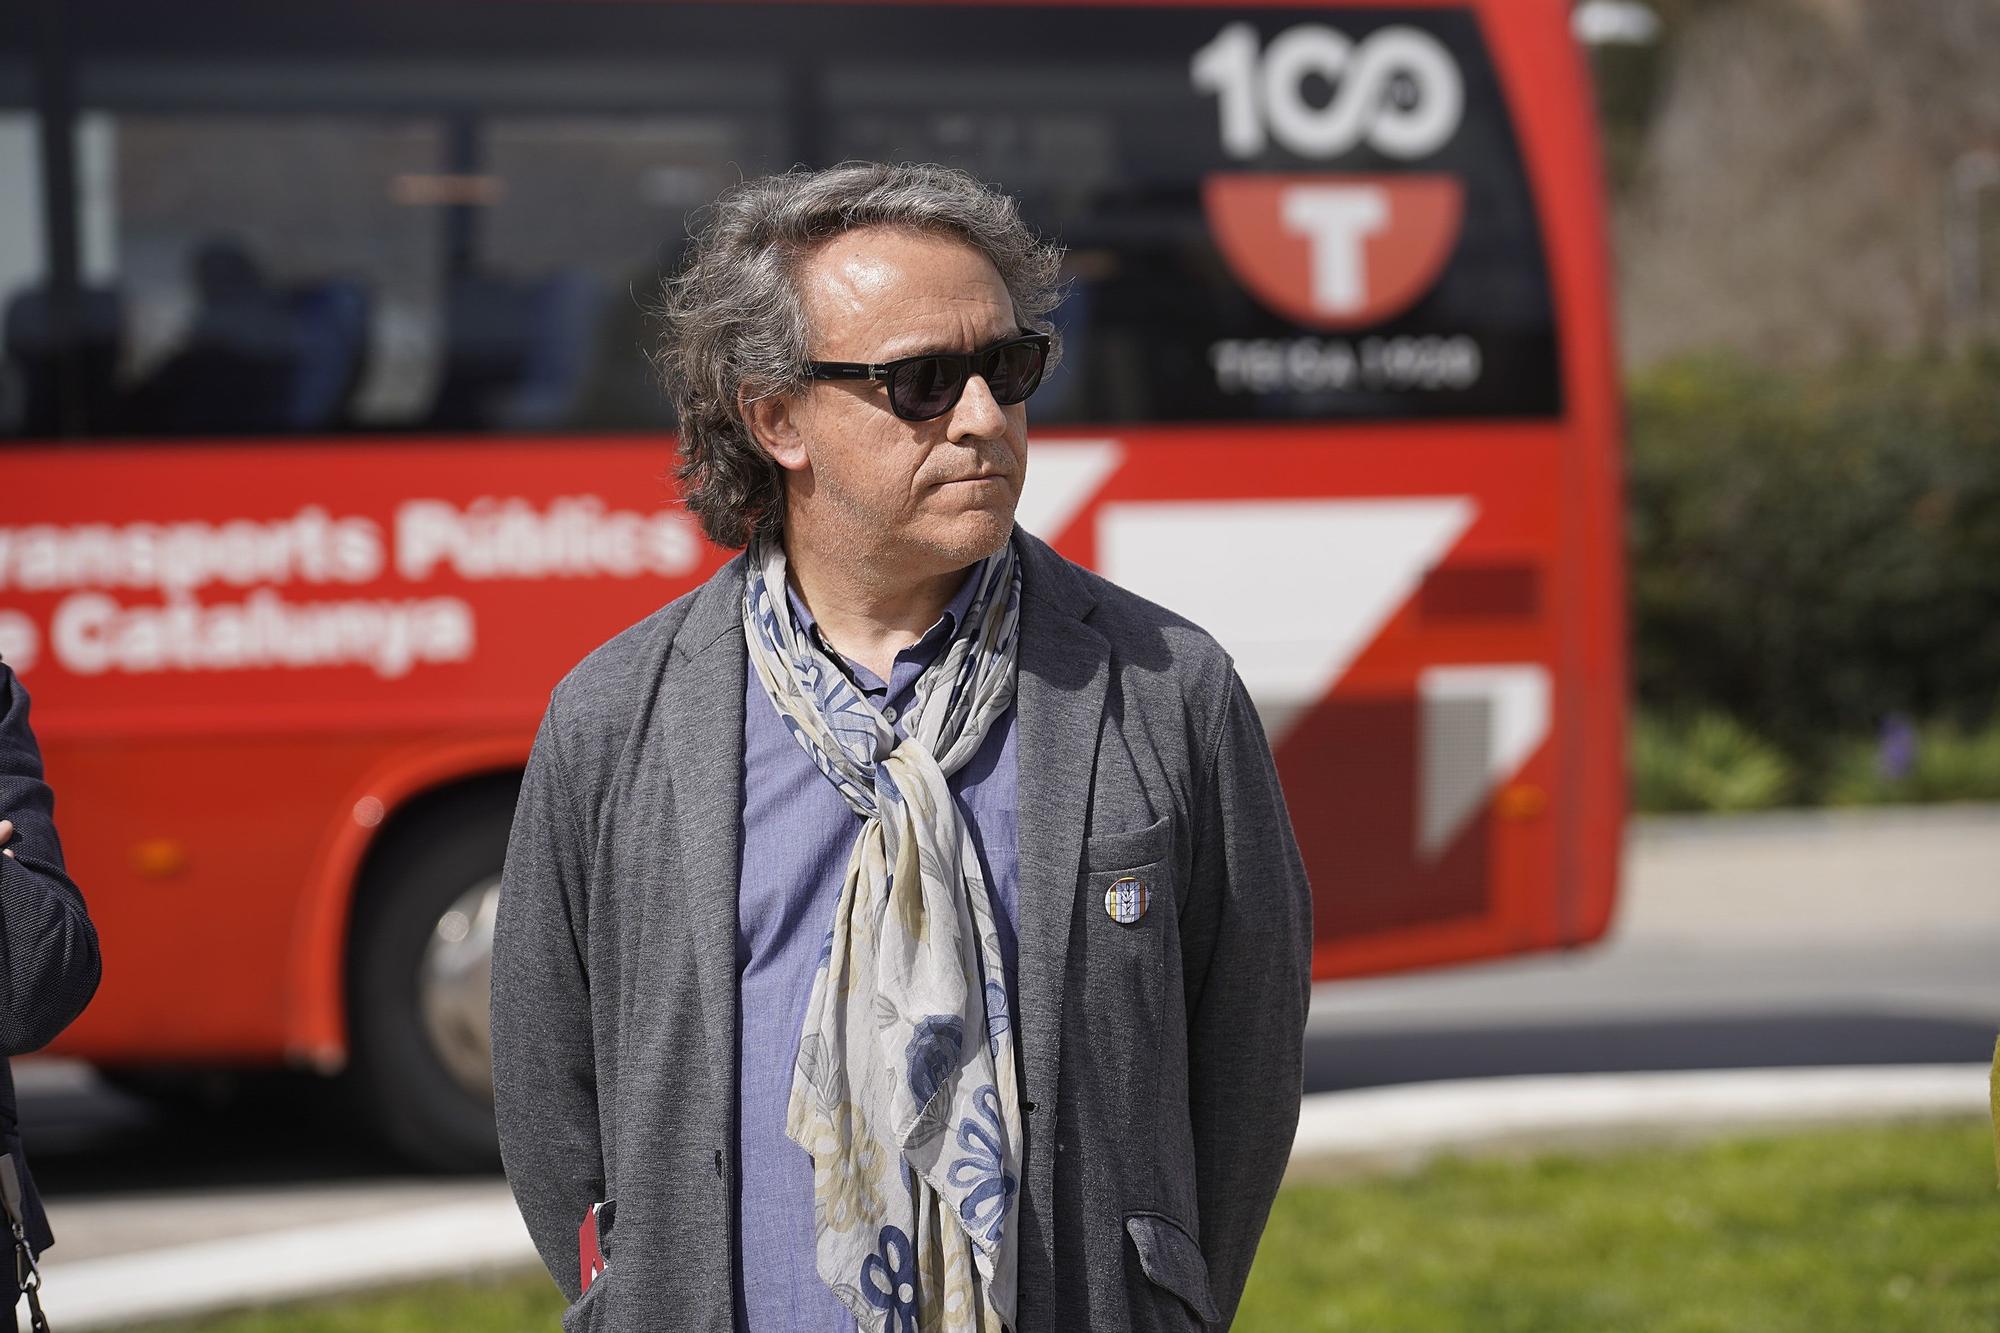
(1770, 940)
(1795, 939)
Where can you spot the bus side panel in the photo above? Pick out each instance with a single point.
(316, 1030)
(193, 854)
(234, 890)
(1386, 595)
(228, 649)
(1550, 85)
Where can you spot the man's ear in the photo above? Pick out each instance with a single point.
(774, 422)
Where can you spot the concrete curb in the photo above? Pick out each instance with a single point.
(1340, 1134)
(1372, 1130)
(451, 1241)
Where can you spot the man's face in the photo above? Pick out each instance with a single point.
(926, 496)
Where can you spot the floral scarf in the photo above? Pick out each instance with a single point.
(904, 1092)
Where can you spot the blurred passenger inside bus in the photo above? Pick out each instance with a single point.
(259, 357)
(230, 374)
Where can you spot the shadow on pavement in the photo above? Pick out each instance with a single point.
(203, 1132)
(1340, 1060)
(87, 1138)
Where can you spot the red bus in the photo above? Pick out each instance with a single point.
(330, 443)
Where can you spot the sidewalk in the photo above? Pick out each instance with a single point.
(1340, 1135)
(1373, 1130)
(1849, 913)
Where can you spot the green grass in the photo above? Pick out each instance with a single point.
(514, 1303)
(1852, 1231)
(1880, 1230)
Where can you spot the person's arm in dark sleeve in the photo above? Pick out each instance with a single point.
(49, 964)
(544, 1069)
(1247, 956)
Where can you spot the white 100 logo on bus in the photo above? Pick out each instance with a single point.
(1398, 90)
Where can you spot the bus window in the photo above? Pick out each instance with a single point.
(376, 247)
(269, 278)
(21, 262)
(53, 361)
(590, 212)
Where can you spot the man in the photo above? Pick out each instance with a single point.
(48, 948)
(903, 930)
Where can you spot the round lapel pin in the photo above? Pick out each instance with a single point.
(1125, 900)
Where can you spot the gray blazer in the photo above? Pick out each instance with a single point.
(1161, 1060)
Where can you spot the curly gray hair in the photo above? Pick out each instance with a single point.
(732, 318)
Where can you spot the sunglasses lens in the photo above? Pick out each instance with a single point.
(926, 387)
(1013, 371)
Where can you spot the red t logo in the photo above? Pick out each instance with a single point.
(1335, 251)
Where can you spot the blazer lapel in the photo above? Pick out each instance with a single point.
(703, 717)
(1059, 702)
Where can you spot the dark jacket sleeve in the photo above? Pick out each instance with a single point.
(544, 1068)
(48, 949)
(1247, 953)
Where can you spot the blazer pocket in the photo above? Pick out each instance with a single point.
(586, 1313)
(583, 1314)
(607, 1218)
(1118, 849)
(1171, 1259)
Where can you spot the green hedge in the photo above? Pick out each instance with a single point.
(1946, 765)
(1712, 762)
(1815, 552)
(1707, 762)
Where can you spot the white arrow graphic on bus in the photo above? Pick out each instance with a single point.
(1498, 713)
(1062, 476)
(1294, 589)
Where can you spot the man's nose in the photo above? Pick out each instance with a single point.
(977, 414)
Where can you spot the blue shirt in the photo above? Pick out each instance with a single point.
(797, 834)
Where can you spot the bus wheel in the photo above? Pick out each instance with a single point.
(418, 976)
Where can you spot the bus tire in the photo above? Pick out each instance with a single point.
(413, 1059)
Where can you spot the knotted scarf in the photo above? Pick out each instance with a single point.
(904, 1091)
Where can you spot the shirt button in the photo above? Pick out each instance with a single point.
(889, 715)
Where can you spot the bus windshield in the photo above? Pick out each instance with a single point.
(443, 222)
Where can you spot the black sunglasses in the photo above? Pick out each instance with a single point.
(928, 386)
